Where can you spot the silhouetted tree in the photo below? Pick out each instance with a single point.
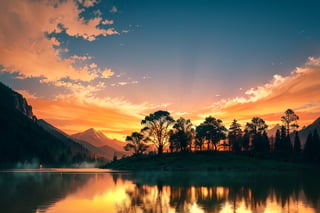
(234, 136)
(260, 144)
(297, 144)
(255, 129)
(158, 124)
(174, 143)
(214, 130)
(285, 143)
(182, 134)
(316, 141)
(246, 141)
(277, 143)
(265, 142)
(200, 136)
(256, 125)
(311, 150)
(308, 151)
(137, 142)
(290, 120)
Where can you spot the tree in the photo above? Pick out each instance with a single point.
(297, 144)
(182, 134)
(137, 142)
(157, 124)
(256, 125)
(200, 135)
(255, 129)
(316, 142)
(214, 130)
(290, 120)
(234, 136)
(246, 140)
(277, 143)
(308, 151)
(285, 142)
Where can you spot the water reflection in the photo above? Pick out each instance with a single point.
(58, 192)
(207, 192)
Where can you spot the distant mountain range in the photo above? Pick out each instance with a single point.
(25, 140)
(97, 139)
(65, 137)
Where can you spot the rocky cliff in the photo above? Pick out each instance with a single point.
(12, 99)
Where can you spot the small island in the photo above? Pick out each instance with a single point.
(210, 146)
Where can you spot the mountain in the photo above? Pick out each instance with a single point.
(65, 137)
(272, 132)
(303, 134)
(98, 139)
(11, 100)
(23, 141)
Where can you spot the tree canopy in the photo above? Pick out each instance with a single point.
(157, 124)
(290, 120)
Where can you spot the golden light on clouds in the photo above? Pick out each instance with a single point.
(27, 49)
(298, 91)
(118, 117)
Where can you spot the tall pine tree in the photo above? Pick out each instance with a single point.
(316, 142)
(297, 144)
(308, 148)
(277, 143)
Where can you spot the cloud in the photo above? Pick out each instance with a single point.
(122, 83)
(87, 3)
(114, 9)
(298, 91)
(80, 58)
(107, 73)
(25, 46)
(107, 22)
(81, 109)
(93, 65)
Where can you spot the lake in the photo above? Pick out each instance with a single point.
(97, 191)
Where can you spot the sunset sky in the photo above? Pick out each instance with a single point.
(106, 64)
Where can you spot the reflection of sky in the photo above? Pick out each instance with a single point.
(101, 194)
(131, 58)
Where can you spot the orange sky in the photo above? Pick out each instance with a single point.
(84, 64)
(117, 118)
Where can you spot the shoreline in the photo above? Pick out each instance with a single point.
(208, 161)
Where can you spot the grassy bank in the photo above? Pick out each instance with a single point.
(215, 161)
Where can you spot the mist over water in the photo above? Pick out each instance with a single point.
(94, 190)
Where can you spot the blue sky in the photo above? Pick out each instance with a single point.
(184, 56)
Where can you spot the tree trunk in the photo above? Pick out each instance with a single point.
(160, 150)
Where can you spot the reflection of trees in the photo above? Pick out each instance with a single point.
(210, 198)
(179, 197)
(164, 192)
(146, 199)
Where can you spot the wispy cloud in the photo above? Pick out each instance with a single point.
(107, 22)
(114, 9)
(87, 3)
(273, 98)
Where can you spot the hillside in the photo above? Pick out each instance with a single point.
(303, 134)
(99, 153)
(99, 140)
(23, 141)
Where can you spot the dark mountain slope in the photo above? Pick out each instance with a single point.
(23, 140)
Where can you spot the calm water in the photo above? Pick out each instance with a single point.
(92, 191)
